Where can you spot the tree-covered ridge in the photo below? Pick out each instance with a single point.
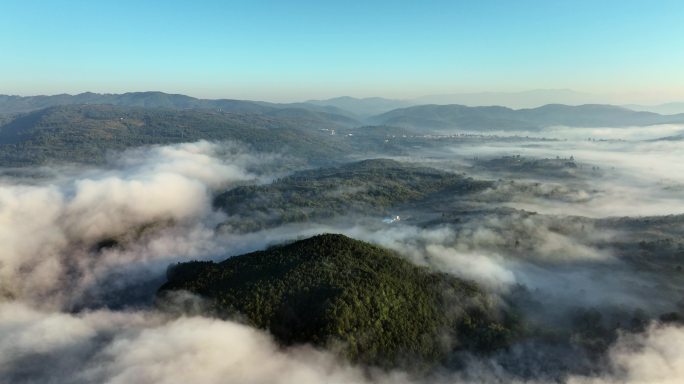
(362, 300)
(496, 118)
(369, 187)
(84, 133)
(16, 104)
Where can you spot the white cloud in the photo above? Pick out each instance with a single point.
(48, 228)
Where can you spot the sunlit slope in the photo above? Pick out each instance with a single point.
(84, 133)
(346, 294)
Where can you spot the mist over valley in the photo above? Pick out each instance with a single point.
(357, 192)
(560, 241)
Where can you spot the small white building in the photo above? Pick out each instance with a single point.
(390, 220)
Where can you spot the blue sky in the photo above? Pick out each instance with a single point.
(292, 50)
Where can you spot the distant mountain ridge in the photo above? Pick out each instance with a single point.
(447, 117)
(516, 100)
(365, 107)
(663, 109)
(348, 112)
(153, 99)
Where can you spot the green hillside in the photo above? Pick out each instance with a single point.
(495, 118)
(84, 133)
(365, 187)
(14, 104)
(361, 300)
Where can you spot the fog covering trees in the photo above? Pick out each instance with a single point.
(579, 239)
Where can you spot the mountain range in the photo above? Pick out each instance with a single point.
(85, 133)
(82, 128)
(447, 111)
(442, 117)
(15, 104)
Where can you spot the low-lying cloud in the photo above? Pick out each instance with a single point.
(148, 347)
(85, 249)
(48, 228)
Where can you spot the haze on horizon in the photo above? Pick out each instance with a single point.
(292, 51)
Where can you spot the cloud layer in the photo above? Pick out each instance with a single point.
(84, 251)
(156, 202)
(145, 347)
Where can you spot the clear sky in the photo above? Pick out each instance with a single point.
(299, 49)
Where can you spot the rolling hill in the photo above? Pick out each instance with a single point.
(84, 133)
(17, 104)
(365, 187)
(494, 118)
(358, 299)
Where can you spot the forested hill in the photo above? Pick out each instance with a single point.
(501, 118)
(17, 104)
(84, 133)
(365, 187)
(349, 112)
(334, 291)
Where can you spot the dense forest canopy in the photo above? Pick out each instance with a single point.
(365, 187)
(85, 134)
(334, 291)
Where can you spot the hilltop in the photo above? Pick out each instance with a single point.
(359, 299)
(364, 187)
